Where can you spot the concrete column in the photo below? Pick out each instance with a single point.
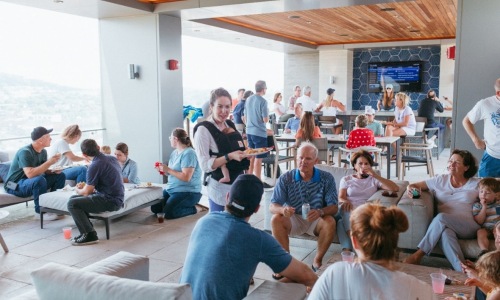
(336, 64)
(301, 69)
(141, 112)
(476, 65)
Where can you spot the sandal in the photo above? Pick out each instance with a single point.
(277, 276)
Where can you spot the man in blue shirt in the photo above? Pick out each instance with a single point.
(224, 249)
(308, 185)
(256, 116)
(294, 122)
(103, 191)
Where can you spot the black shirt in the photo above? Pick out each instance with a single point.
(427, 107)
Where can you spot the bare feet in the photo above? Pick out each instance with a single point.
(413, 259)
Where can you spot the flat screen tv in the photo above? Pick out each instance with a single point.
(404, 76)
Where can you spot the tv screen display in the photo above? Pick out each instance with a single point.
(404, 76)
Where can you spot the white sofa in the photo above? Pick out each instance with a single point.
(126, 276)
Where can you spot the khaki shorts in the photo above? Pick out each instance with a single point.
(301, 226)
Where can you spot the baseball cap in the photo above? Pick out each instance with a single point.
(389, 86)
(246, 193)
(369, 110)
(38, 132)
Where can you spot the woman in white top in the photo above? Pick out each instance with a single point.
(355, 190)
(227, 150)
(69, 136)
(455, 193)
(404, 120)
(332, 104)
(374, 235)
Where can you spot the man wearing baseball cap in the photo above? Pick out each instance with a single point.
(224, 249)
(29, 173)
(373, 124)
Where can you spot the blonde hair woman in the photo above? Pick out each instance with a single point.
(404, 120)
(69, 136)
(330, 102)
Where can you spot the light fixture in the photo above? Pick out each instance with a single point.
(58, 1)
(294, 17)
(133, 71)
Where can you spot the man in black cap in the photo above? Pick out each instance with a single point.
(224, 249)
(29, 173)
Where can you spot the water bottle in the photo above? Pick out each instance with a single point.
(305, 210)
(344, 134)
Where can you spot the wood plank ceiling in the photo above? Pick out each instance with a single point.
(395, 21)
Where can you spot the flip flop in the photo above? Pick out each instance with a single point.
(314, 268)
(277, 276)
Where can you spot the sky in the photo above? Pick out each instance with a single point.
(41, 44)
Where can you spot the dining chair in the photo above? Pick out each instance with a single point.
(413, 155)
(278, 155)
(372, 149)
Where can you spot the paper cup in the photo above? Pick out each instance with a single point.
(438, 280)
(67, 232)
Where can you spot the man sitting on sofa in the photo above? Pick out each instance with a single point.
(305, 185)
(224, 249)
(29, 173)
(103, 191)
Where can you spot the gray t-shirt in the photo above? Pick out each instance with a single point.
(255, 111)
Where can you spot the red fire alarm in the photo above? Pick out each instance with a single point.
(450, 52)
(173, 64)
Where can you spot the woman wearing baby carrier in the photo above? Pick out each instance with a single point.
(215, 148)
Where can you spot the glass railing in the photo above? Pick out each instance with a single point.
(12, 144)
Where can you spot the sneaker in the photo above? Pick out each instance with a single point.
(75, 238)
(49, 216)
(267, 186)
(430, 142)
(86, 239)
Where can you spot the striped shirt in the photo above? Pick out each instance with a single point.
(292, 191)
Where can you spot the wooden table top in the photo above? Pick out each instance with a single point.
(423, 273)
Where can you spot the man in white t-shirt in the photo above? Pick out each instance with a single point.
(307, 103)
(487, 109)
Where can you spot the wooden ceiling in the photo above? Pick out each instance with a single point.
(394, 21)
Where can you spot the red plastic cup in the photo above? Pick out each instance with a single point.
(67, 232)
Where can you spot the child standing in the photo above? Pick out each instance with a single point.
(486, 212)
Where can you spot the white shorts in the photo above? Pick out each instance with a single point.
(301, 226)
(409, 131)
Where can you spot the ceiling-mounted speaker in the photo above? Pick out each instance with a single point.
(450, 52)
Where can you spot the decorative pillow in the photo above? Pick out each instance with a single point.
(4, 171)
(122, 264)
(54, 282)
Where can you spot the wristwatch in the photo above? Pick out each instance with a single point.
(226, 156)
(321, 212)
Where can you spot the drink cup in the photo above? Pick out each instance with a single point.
(161, 217)
(67, 232)
(347, 256)
(416, 193)
(438, 280)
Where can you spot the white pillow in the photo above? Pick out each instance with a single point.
(53, 282)
(122, 264)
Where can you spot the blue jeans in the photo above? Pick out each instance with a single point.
(434, 125)
(489, 166)
(177, 205)
(78, 174)
(38, 185)
(80, 206)
(343, 225)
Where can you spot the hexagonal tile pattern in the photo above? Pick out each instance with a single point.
(429, 55)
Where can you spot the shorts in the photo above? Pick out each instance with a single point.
(489, 166)
(255, 141)
(301, 226)
(409, 131)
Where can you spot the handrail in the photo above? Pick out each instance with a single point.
(58, 133)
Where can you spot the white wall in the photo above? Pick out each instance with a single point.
(336, 63)
(447, 71)
(302, 69)
(141, 112)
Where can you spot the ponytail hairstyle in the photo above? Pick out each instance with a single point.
(376, 229)
(182, 136)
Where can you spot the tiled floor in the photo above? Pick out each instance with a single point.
(140, 233)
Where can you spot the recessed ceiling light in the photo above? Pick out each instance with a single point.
(343, 34)
(294, 17)
(388, 9)
(414, 30)
(309, 22)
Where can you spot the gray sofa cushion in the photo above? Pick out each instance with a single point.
(4, 171)
(54, 282)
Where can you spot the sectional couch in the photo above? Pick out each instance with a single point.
(420, 213)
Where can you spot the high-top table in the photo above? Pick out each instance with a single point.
(3, 214)
(423, 273)
(338, 139)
